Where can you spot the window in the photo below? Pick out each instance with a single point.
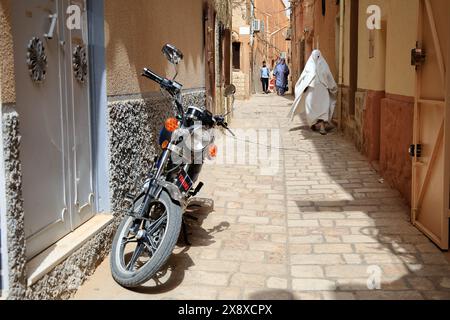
(236, 55)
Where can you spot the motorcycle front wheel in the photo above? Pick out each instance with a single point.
(141, 247)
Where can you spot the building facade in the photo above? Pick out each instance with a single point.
(261, 32)
(241, 48)
(389, 58)
(80, 123)
(271, 39)
(315, 25)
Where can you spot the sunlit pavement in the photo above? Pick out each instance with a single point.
(324, 226)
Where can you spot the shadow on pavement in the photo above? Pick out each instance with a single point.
(173, 273)
(361, 210)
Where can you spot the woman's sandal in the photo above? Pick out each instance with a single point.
(323, 130)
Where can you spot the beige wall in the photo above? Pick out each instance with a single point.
(6, 54)
(239, 13)
(401, 38)
(135, 32)
(390, 69)
(371, 71)
(325, 33)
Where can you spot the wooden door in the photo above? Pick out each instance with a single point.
(431, 161)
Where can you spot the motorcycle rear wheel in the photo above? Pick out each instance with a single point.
(128, 269)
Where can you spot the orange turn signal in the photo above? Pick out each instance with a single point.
(171, 124)
(165, 144)
(212, 152)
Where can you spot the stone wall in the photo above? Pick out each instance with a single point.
(363, 127)
(382, 129)
(240, 80)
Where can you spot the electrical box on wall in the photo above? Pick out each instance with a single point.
(288, 34)
(257, 25)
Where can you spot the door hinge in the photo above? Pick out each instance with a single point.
(415, 150)
(418, 56)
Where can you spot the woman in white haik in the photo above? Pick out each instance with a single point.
(315, 93)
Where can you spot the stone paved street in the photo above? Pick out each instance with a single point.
(319, 229)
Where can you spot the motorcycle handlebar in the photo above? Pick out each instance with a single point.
(152, 76)
(170, 86)
(220, 120)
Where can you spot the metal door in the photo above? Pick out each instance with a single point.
(77, 86)
(430, 212)
(53, 105)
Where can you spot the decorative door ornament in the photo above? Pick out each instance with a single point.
(80, 64)
(36, 60)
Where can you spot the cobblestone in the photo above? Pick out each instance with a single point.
(318, 229)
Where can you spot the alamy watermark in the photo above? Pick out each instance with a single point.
(73, 21)
(258, 148)
(374, 19)
(374, 279)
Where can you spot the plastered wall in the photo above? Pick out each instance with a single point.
(6, 54)
(135, 34)
(371, 70)
(325, 34)
(401, 38)
(390, 69)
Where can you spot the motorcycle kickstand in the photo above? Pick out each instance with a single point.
(186, 234)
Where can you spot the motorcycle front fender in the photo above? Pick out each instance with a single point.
(173, 191)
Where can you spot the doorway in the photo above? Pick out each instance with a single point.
(431, 149)
(53, 102)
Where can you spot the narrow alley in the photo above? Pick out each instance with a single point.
(326, 226)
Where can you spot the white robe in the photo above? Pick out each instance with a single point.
(315, 91)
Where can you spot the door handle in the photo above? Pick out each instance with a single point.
(54, 19)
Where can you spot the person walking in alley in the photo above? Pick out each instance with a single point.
(315, 93)
(265, 75)
(281, 74)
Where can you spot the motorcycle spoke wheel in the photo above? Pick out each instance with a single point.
(137, 249)
(144, 241)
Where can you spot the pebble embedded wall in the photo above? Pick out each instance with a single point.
(65, 278)
(14, 204)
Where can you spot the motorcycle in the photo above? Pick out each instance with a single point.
(150, 229)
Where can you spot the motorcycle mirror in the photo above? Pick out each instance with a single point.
(172, 54)
(230, 90)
